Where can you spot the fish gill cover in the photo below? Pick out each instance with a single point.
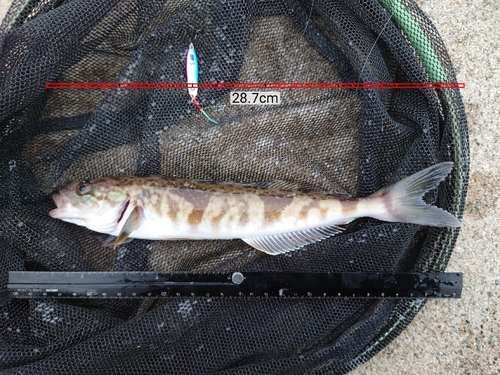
(339, 141)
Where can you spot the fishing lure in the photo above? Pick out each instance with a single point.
(192, 78)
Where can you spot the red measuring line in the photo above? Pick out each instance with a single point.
(254, 85)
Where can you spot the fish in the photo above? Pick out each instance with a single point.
(274, 217)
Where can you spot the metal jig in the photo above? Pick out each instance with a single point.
(192, 78)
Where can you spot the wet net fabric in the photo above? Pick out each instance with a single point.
(340, 141)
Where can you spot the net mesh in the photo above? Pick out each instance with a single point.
(341, 141)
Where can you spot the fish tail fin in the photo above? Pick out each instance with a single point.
(404, 202)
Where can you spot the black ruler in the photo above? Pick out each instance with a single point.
(33, 284)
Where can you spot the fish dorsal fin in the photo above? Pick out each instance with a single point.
(293, 186)
(284, 242)
(275, 184)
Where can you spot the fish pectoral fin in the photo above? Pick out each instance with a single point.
(108, 240)
(284, 242)
(130, 225)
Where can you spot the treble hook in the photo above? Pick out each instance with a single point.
(195, 32)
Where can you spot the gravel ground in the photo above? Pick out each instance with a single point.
(4, 6)
(461, 336)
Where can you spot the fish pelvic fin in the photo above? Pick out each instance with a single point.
(404, 202)
(108, 240)
(132, 223)
(285, 242)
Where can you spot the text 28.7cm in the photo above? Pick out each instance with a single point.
(255, 97)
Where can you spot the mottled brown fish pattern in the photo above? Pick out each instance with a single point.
(272, 217)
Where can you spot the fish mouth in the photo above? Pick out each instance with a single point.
(65, 212)
(60, 201)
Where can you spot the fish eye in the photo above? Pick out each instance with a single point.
(83, 188)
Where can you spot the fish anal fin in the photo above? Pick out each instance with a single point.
(284, 242)
(132, 223)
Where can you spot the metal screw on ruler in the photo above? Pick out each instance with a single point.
(237, 278)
